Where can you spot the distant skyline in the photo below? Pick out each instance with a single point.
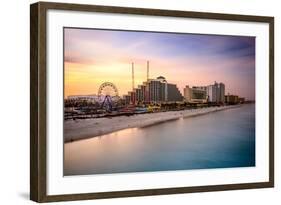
(93, 56)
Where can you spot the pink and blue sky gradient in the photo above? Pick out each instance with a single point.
(93, 56)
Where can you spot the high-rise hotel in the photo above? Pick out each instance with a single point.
(154, 91)
(216, 92)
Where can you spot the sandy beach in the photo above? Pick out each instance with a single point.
(86, 128)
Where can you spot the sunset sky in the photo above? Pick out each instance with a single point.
(92, 57)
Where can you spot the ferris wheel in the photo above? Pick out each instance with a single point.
(108, 95)
(108, 88)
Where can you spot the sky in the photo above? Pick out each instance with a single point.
(93, 56)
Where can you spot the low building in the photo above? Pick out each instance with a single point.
(196, 94)
(91, 98)
(127, 99)
(241, 100)
(231, 99)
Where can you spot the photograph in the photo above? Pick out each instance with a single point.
(146, 101)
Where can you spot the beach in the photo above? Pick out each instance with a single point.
(87, 128)
(222, 139)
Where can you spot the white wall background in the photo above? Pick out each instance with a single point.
(14, 101)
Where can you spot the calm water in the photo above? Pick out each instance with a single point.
(216, 140)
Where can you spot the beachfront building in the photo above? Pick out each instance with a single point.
(155, 91)
(221, 93)
(241, 100)
(231, 99)
(174, 93)
(216, 93)
(132, 95)
(126, 99)
(159, 90)
(139, 94)
(163, 92)
(195, 94)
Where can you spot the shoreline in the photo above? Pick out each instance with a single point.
(87, 128)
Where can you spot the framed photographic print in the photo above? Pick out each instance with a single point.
(133, 102)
